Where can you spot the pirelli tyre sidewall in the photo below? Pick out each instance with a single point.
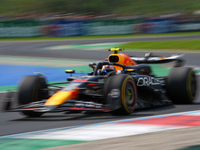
(122, 89)
(182, 85)
(30, 90)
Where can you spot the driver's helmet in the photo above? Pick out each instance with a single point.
(106, 69)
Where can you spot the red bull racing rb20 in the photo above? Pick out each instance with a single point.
(119, 85)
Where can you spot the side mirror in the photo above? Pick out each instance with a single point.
(69, 71)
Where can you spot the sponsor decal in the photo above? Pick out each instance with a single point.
(115, 93)
(146, 81)
(101, 80)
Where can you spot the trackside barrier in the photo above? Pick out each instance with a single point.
(20, 29)
(86, 28)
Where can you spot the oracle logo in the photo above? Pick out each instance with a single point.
(146, 81)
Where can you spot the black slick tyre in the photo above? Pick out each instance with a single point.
(181, 85)
(123, 87)
(31, 90)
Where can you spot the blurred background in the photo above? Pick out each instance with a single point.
(62, 18)
(46, 19)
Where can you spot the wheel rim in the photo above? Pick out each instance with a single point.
(130, 95)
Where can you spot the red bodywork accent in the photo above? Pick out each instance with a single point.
(80, 80)
(127, 60)
(93, 84)
(74, 93)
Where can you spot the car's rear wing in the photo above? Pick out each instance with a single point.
(151, 59)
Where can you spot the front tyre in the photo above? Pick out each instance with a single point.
(124, 89)
(182, 85)
(32, 89)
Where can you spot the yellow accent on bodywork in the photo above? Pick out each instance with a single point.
(130, 69)
(116, 49)
(61, 96)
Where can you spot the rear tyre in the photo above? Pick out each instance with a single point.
(123, 87)
(182, 85)
(31, 89)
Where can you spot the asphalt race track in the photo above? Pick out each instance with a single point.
(36, 48)
(13, 123)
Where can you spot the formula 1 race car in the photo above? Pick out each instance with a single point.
(119, 85)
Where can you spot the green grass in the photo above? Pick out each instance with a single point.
(102, 36)
(164, 45)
